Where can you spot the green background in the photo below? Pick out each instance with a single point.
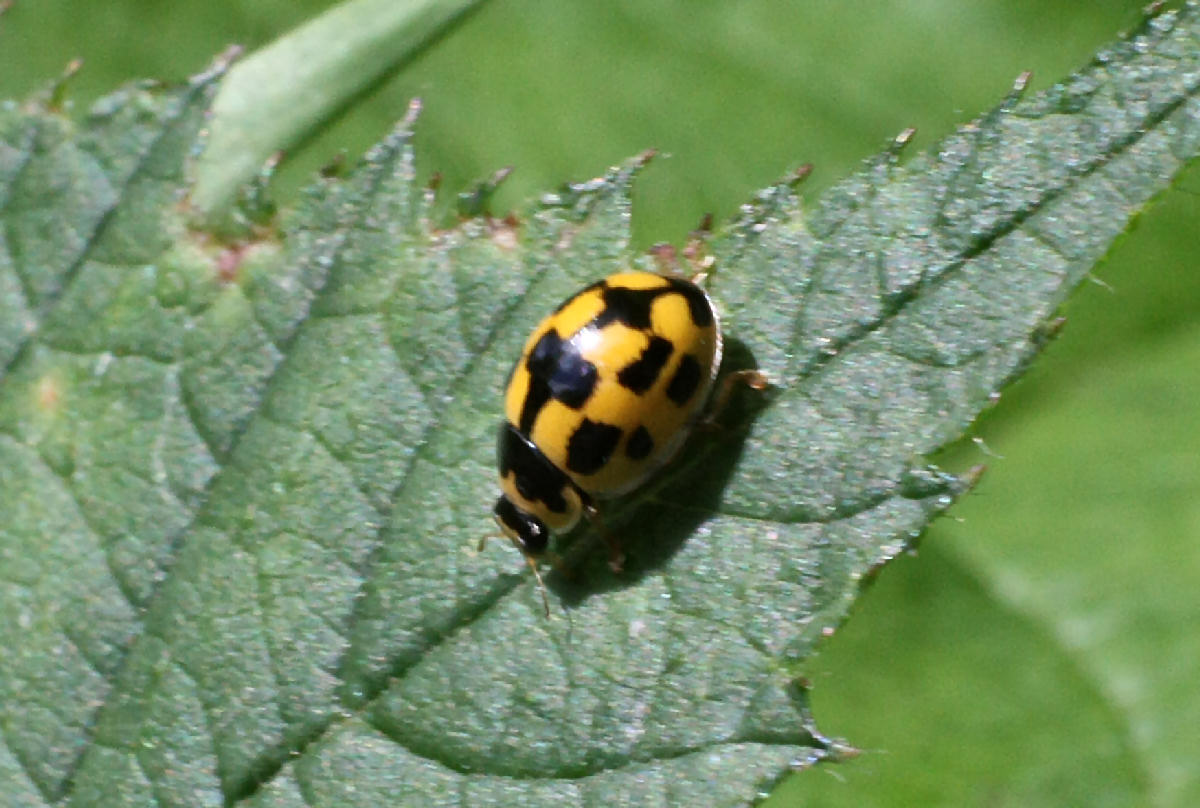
(1042, 647)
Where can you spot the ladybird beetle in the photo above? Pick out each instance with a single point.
(604, 394)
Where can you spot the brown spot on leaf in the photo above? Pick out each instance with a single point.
(229, 260)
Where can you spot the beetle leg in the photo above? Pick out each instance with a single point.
(616, 556)
(482, 545)
(754, 379)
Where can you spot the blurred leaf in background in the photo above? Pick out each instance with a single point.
(1038, 652)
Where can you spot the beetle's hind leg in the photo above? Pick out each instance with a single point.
(754, 379)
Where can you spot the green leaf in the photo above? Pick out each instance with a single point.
(282, 92)
(242, 482)
(1102, 591)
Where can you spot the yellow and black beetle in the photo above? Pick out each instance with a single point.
(605, 392)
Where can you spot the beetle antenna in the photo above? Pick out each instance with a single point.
(532, 562)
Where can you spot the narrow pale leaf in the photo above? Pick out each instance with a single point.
(280, 94)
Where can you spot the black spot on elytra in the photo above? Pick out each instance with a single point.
(630, 307)
(591, 446)
(697, 301)
(558, 371)
(685, 381)
(640, 374)
(537, 479)
(640, 444)
(580, 293)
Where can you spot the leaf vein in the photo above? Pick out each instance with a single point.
(99, 228)
(334, 250)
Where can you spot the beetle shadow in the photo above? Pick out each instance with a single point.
(653, 523)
